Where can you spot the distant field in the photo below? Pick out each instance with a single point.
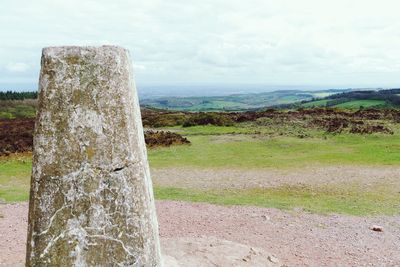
(387, 99)
(356, 104)
(17, 109)
(345, 99)
(234, 102)
(317, 103)
(216, 105)
(323, 94)
(284, 99)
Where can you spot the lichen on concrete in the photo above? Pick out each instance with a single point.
(91, 198)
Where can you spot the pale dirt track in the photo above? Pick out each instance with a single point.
(365, 177)
(296, 238)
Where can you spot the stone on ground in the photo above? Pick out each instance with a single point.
(211, 251)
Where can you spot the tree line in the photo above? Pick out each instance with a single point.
(391, 96)
(12, 95)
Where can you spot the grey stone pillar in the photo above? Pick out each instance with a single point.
(91, 201)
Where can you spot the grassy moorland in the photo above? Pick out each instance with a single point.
(214, 147)
(254, 148)
(320, 200)
(270, 143)
(11, 109)
(15, 174)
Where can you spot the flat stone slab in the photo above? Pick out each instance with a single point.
(211, 251)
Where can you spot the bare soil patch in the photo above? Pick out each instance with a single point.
(365, 177)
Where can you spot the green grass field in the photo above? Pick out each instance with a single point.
(218, 105)
(252, 147)
(20, 111)
(15, 175)
(356, 104)
(11, 109)
(317, 103)
(258, 151)
(320, 200)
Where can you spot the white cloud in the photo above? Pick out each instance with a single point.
(17, 67)
(345, 43)
(139, 67)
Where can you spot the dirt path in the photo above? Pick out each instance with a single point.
(366, 177)
(296, 238)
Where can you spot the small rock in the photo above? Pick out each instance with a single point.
(273, 259)
(265, 217)
(253, 251)
(377, 228)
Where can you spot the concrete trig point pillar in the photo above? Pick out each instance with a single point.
(91, 200)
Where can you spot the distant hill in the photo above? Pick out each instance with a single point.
(19, 104)
(389, 98)
(237, 102)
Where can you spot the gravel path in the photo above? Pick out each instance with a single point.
(296, 238)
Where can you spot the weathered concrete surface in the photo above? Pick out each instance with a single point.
(91, 194)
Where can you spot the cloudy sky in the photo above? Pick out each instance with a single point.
(287, 42)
